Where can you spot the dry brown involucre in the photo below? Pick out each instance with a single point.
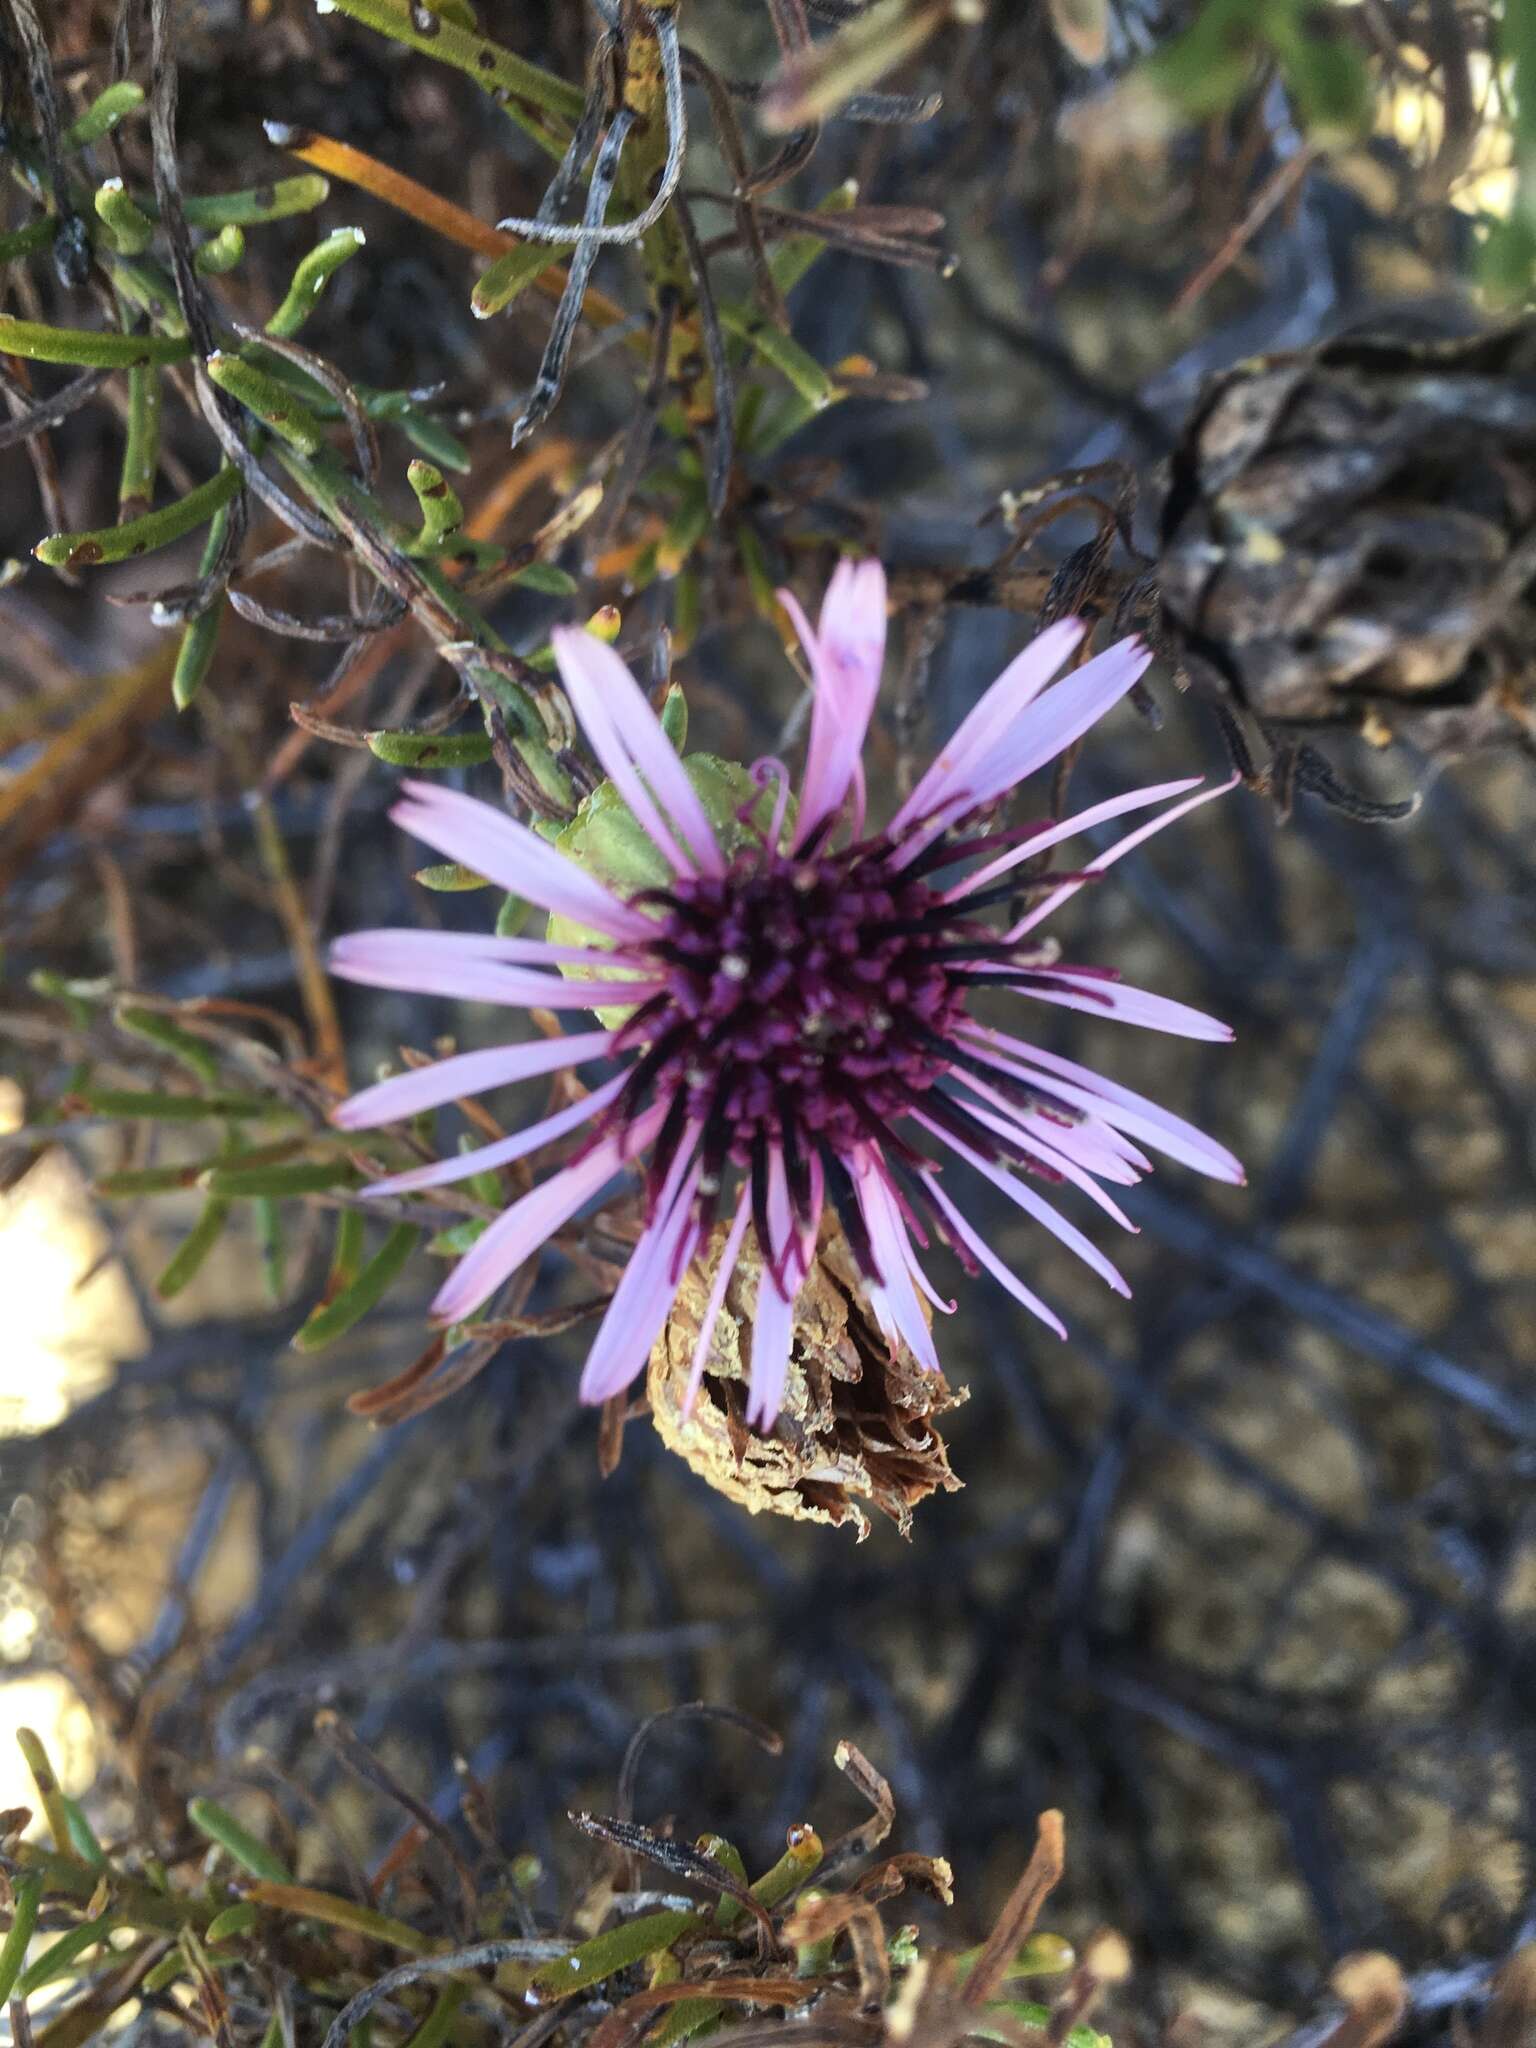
(857, 1424)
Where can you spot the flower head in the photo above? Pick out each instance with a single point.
(790, 1002)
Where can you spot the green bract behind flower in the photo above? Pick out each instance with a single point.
(607, 839)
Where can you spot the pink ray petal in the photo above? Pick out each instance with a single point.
(773, 1330)
(1084, 1089)
(647, 1287)
(1030, 1202)
(1096, 814)
(895, 1302)
(1053, 1157)
(1096, 1146)
(765, 770)
(1020, 682)
(983, 1253)
(1128, 1005)
(802, 625)
(486, 839)
(1063, 714)
(519, 1231)
(773, 1321)
(502, 1151)
(466, 1073)
(627, 738)
(1102, 862)
(729, 1253)
(399, 949)
(1113, 1139)
(1069, 1147)
(847, 655)
(925, 1286)
(432, 971)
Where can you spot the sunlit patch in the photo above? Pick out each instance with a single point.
(1413, 114)
(69, 1311)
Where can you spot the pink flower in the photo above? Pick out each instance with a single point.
(800, 1029)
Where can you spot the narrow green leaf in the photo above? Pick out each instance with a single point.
(138, 536)
(141, 282)
(674, 717)
(193, 1250)
(222, 252)
(54, 1961)
(193, 1053)
(796, 365)
(220, 1826)
(800, 1860)
(337, 1912)
(45, 1778)
(793, 257)
(295, 1177)
(1517, 47)
(145, 1180)
(545, 578)
(1025, 2013)
(82, 1839)
(607, 1953)
(494, 69)
(430, 750)
(346, 1252)
(449, 877)
(166, 1972)
(200, 638)
(194, 657)
(141, 449)
(432, 438)
(814, 83)
(130, 227)
(234, 1920)
(37, 234)
(149, 1102)
(1507, 260)
(685, 2020)
(687, 606)
(274, 404)
(103, 114)
(76, 996)
(453, 1242)
(685, 529)
(438, 2024)
(86, 346)
(313, 274)
(259, 203)
(13, 1950)
(326, 1324)
(509, 276)
(442, 513)
(512, 916)
(1043, 1955)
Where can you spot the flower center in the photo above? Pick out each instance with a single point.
(808, 1001)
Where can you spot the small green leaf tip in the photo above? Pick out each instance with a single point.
(310, 278)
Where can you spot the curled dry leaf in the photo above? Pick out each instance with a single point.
(1349, 539)
(857, 1424)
